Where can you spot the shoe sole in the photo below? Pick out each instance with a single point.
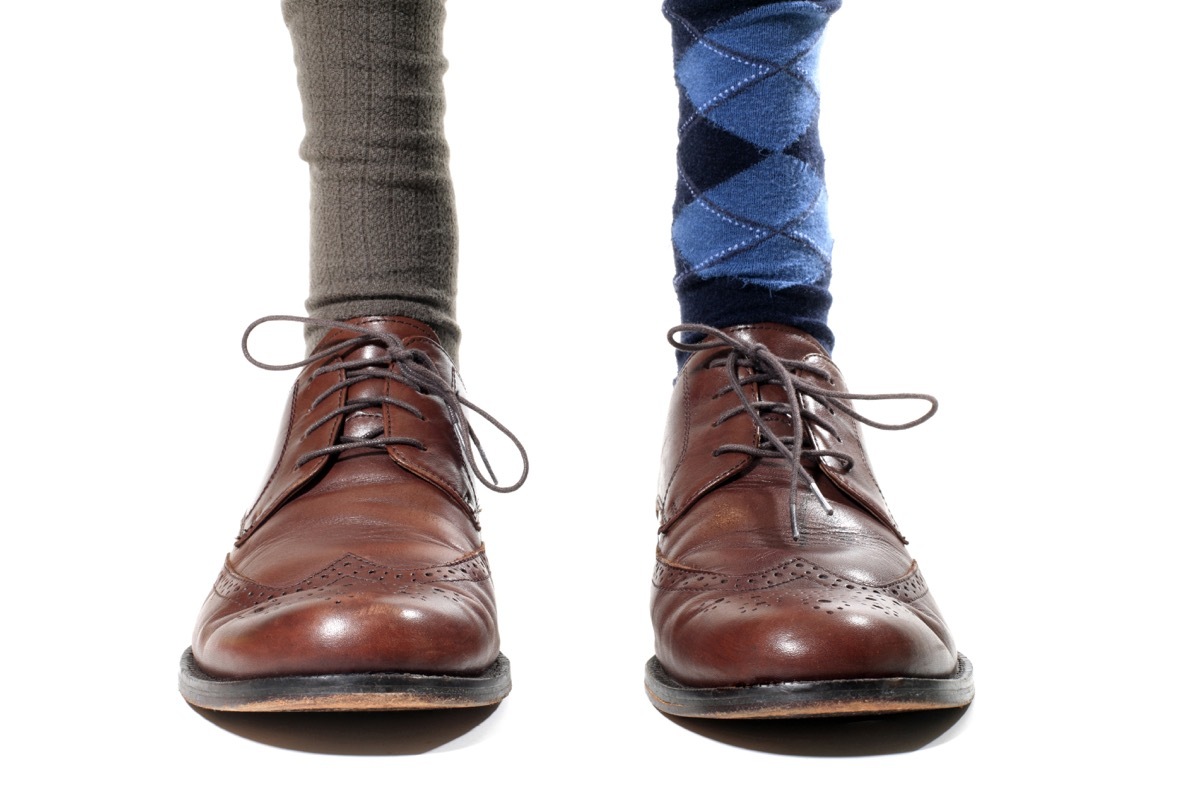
(832, 698)
(366, 691)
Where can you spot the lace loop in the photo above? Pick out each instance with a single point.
(414, 369)
(797, 380)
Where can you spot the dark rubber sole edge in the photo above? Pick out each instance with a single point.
(831, 698)
(366, 691)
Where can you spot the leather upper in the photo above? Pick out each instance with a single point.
(364, 559)
(737, 598)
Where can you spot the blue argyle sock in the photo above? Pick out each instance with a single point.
(751, 237)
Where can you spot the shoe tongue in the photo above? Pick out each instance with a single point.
(367, 423)
(784, 341)
(363, 425)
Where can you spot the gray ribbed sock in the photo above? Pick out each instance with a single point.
(384, 236)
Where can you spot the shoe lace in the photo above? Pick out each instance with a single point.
(795, 378)
(413, 369)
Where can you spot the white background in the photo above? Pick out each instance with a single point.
(1014, 197)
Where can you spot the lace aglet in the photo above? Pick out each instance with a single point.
(795, 521)
(820, 498)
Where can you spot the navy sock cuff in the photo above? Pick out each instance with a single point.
(722, 302)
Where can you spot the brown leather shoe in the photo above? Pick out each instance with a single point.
(783, 586)
(358, 580)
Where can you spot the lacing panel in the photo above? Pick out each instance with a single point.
(372, 384)
(751, 366)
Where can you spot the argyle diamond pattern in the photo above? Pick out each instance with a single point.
(751, 201)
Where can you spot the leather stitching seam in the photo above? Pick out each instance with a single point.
(669, 578)
(231, 586)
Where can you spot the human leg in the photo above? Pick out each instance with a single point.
(783, 586)
(358, 579)
(751, 236)
(383, 227)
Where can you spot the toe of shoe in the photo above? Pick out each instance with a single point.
(781, 637)
(431, 633)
